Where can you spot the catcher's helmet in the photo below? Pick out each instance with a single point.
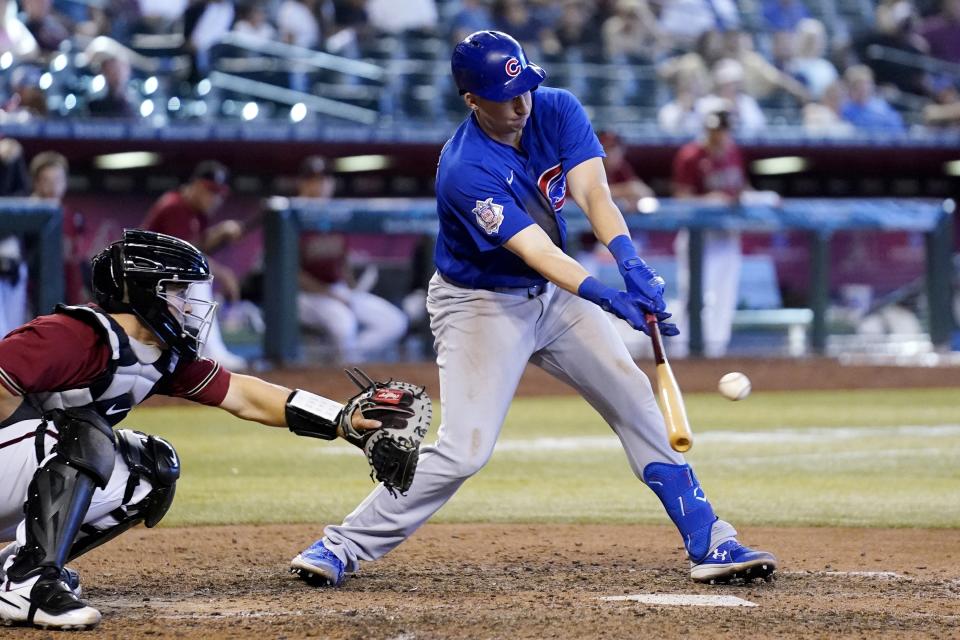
(492, 65)
(150, 275)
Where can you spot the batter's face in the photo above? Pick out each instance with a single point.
(503, 121)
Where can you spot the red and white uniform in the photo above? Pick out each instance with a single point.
(80, 357)
(703, 172)
(358, 322)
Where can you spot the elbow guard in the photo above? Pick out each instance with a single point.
(311, 415)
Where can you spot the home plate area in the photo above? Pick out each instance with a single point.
(682, 600)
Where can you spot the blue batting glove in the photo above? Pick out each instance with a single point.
(640, 279)
(625, 306)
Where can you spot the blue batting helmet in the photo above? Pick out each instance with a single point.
(492, 65)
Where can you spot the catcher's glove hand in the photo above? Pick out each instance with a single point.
(404, 411)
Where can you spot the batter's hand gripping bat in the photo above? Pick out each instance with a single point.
(668, 392)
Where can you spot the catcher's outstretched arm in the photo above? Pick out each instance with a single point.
(251, 398)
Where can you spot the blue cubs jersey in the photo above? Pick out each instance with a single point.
(488, 191)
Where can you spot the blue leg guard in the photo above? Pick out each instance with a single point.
(679, 491)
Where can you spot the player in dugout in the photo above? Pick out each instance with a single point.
(68, 481)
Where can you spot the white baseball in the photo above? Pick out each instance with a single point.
(734, 386)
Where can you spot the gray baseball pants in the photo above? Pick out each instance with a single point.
(484, 340)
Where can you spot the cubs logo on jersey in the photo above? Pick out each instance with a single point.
(553, 186)
(489, 215)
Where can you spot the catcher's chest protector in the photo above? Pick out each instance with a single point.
(127, 381)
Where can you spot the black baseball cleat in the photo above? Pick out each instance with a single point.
(731, 562)
(45, 603)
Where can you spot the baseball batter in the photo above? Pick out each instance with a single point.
(505, 294)
(68, 481)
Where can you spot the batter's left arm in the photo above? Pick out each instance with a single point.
(587, 184)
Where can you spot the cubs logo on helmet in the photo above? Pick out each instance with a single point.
(493, 65)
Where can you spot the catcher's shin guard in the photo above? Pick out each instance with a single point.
(679, 491)
(149, 458)
(61, 490)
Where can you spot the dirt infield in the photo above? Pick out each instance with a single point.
(519, 581)
(536, 581)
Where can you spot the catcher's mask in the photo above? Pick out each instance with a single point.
(156, 277)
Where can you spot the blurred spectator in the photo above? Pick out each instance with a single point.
(728, 88)
(298, 24)
(13, 267)
(863, 108)
(761, 79)
(28, 99)
(514, 17)
(119, 19)
(359, 323)
(47, 28)
(14, 180)
(625, 187)
(942, 32)
(48, 171)
(473, 16)
(186, 213)
(897, 25)
(160, 16)
(823, 118)
(14, 35)
(809, 64)
(684, 21)
(204, 24)
(252, 20)
(690, 83)
(576, 31)
(415, 15)
(784, 15)
(115, 101)
(712, 171)
(631, 33)
(943, 115)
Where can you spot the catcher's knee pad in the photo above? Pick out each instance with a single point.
(151, 459)
(154, 459)
(679, 490)
(86, 442)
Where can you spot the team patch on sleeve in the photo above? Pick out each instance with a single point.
(489, 215)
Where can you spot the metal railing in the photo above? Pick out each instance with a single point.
(819, 218)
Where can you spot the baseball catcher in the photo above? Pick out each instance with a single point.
(71, 482)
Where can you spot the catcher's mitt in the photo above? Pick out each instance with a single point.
(405, 411)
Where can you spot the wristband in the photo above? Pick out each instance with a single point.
(311, 415)
(595, 291)
(623, 249)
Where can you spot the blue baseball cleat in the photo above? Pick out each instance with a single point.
(318, 566)
(733, 562)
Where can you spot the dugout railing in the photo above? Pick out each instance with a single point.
(285, 218)
(40, 224)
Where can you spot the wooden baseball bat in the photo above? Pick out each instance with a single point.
(668, 392)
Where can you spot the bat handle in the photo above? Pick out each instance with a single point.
(653, 327)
